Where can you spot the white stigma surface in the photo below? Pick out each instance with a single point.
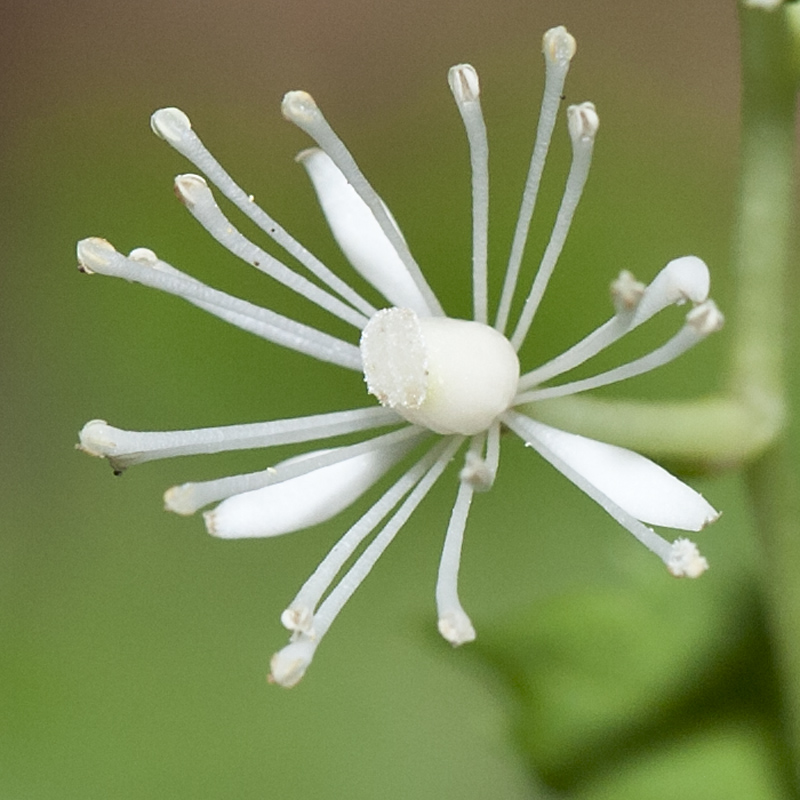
(448, 375)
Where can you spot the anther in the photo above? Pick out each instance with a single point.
(170, 124)
(558, 45)
(299, 107)
(583, 122)
(190, 189)
(685, 560)
(626, 292)
(705, 318)
(94, 254)
(464, 85)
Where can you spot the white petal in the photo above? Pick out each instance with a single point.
(359, 235)
(640, 487)
(303, 501)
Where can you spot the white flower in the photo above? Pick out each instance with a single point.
(440, 381)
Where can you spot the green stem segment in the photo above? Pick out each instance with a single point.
(762, 337)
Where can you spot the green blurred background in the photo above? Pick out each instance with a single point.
(134, 647)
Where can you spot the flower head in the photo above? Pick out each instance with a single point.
(440, 383)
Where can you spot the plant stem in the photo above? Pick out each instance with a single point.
(762, 257)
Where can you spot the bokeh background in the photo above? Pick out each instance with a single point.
(133, 647)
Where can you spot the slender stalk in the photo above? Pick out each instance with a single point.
(762, 257)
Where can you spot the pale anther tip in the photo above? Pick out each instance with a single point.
(170, 124)
(464, 84)
(476, 472)
(209, 520)
(93, 438)
(456, 628)
(144, 255)
(176, 501)
(558, 45)
(299, 107)
(583, 122)
(626, 292)
(705, 318)
(93, 254)
(685, 560)
(189, 188)
(289, 665)
(298, 620)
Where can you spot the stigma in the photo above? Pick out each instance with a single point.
(448, 375)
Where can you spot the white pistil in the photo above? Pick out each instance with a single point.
(465, 87)
(450, 375)
(301, 109)
(583, 124)
(99, 256)
(189, 497)
(172, 125)
(125, 448)
(193, 191)
(558, 48)
(701, 321)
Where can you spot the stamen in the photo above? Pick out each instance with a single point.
(647, 491)
(189, 497)
(172, 125)
(647, 536)
(454, 623)
(333, 604)
(124, 449)
(98, 255)
(301, 109)
(700, 322)
(583, 123)
(682, 279)
(558, 47)
(299, 616)
(464, 85)
(193, 191)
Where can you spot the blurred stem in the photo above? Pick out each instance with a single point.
(764, 237)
